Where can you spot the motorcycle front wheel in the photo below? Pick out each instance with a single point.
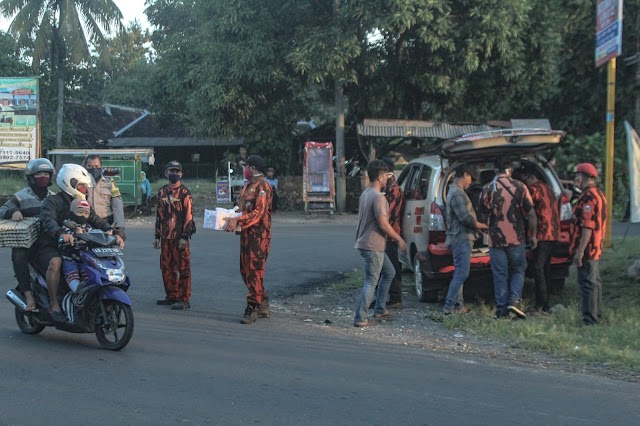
(114, 332)
(27, 324)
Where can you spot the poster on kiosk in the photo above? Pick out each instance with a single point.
(319, 191)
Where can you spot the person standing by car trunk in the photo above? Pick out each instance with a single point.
(547, 212)
(587, 237)
(507, 201)
(373, 228)
(395, 198)
(461, 232)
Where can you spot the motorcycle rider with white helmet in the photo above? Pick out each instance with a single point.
(73, 181)
(27, 203)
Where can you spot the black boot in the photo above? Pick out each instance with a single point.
(250, 315)
(263, 309)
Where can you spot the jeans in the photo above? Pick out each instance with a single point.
(591, 287)
(508, 265)
(395, 291)
(378, 270)
(542, 272)
(462, 262)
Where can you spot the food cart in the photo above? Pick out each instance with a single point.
(318, 183)
(122, 165)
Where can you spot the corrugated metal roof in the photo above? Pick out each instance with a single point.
(173, 142)
(417, 129)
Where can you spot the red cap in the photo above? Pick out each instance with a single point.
(587, 169)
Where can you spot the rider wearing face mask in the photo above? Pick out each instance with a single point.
(27, 203)
(104, 195)
(73, 181)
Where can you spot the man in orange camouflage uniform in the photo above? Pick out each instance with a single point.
(255, 237)
(547, 212)
(174, 227)
(395, 198)
(587, 237)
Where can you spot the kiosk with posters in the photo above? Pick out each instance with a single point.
(318, 183)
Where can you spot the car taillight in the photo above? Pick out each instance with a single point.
(437, 226)
(436, 219)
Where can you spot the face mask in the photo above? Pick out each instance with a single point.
(173, 177)
(42, 181)
(82, 189)
(247, 173)
(80, 220)
(96, 173)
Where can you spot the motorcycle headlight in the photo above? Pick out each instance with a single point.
(115, 275)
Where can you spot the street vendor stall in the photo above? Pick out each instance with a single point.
(318, 184)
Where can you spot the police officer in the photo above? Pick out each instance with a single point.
(104, 195)
(28, 203)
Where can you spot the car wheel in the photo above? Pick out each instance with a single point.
(422, 294)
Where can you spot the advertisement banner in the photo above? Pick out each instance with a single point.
(633, 146)
(223, 193)
(19, 129)
(608, 30)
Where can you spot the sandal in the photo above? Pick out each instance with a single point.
(31, 302)
(58, 317)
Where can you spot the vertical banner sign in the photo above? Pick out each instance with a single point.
(608, 30)
(633, 146)
(223, 192)
(19, 130)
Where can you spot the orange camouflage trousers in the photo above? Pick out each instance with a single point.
(253, 258)
(175, 265)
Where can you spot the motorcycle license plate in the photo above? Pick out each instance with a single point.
(107, 252)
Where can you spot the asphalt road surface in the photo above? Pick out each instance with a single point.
(203, 367)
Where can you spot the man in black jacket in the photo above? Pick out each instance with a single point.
(73, 181)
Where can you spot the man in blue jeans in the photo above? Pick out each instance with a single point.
(461, 232)
(373, 229)
(507, 201)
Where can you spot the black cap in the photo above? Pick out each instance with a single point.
(257, 162)
(173, 165)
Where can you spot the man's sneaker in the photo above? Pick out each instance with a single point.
(263, 309)
(395, 305)
(515, 309)
(363, 323)
(180, 305)
(250, 315)
(166, 301)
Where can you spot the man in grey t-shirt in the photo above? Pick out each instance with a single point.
(373, 229)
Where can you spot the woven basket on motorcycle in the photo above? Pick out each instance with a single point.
(19, 234)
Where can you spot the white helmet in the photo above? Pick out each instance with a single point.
(69, 176)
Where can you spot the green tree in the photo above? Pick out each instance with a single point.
(10, 63)
(60, 32)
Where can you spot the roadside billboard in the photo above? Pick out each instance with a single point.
(19, 121)
(608, 30)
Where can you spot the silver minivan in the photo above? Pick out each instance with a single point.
(425, 182)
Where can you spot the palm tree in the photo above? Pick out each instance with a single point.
(61, 30)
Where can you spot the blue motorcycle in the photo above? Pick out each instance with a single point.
(100, 305)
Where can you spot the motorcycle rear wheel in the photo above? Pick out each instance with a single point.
(26, 323)
(115, 331)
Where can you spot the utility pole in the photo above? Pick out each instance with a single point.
(341, 183)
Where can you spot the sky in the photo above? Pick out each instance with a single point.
(131, 9)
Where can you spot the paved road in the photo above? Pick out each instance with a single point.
(203, 367)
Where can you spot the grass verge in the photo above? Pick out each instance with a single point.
(614, 342)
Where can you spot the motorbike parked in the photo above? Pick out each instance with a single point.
(100, 305)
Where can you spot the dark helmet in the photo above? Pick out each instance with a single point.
(38, 165)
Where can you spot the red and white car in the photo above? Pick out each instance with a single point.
(425, 183)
